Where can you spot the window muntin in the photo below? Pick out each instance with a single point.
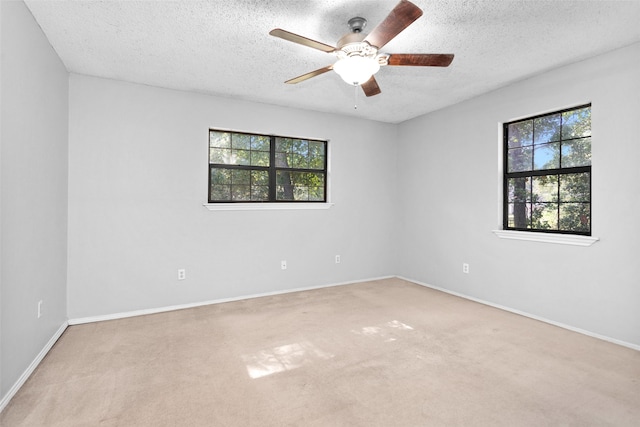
(261, 168)
(547, 179)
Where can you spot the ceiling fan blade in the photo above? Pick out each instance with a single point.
(421, 59)
(398, 19)
(309, 75)
(370, 87)
(301, 40)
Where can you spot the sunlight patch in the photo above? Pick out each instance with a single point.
(399, 325)
(283, 358)
(387, 331)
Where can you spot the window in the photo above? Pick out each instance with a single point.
(547, 178)
(254, 168)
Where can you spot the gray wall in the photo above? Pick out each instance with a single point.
(450, 200)
(34, 192)
(138, 180)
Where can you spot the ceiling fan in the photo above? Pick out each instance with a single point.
(359, 56)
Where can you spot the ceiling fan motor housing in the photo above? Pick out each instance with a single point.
(353, 44)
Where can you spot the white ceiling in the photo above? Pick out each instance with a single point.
(223, 47)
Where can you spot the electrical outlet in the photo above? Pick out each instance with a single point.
(182, 274)
(283, 264)
(337, 259)
(39, 309)
(465, 268)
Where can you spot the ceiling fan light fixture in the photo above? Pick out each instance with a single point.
(356, 69)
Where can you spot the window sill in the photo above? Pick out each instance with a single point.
(265, 206)
(562, 239)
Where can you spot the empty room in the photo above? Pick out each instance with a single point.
(319, 213)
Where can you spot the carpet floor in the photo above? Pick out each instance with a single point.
(379, 353)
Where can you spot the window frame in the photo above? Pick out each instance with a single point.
(559, 171)
(271, 170)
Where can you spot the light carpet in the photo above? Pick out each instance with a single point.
(380, 353)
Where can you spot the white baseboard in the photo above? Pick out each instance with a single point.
(32, 367)
(123, 315)
(525, 314)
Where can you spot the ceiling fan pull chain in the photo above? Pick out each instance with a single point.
(355, 97)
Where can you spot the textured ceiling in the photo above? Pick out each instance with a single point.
(223, 47)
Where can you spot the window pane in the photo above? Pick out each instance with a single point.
(316, 148)
(316, 194)
(241, 192)
(221, 192)
(300, 153)
(300, 146)
(519, 215)
(544, 216)
(284, 193)
(220, 176)
(241, 141)
(229, 157)
(260, 143)
(259, 178)
(520, 134)
(259, 192)
(519, 190)
(317, 162)
(219, 139)
(283, 160)
(575, 217)
(259, 158)
(316, 155)
(299, 161)
(299, 185)
(546, 129)
(246, 185)
(219, 155)
(240, 157)
(284, 185)
(576, 152)
(519, 159)
(545, 188)
(309, 179)
(283, 145)
(300, 193)
(546, 156)
(576, 123)
(240, 177)
(575, 187)
(284, 178)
